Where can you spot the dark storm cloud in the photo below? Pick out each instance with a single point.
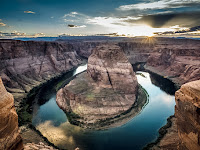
(184, 19)
(187, 4)
(75, 26)
(71, 26)
(192, 29)
(157, 21)
(197, 28)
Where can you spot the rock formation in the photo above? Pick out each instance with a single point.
(176, 59)
(40, 145)
(109, 67)
(108, 89)
(187, 112)
(9, 131)
(26, 64)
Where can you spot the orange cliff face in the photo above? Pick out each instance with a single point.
(187, 112)
(9, 131)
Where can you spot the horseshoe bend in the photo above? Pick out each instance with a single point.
(108, 89)
(125, 94)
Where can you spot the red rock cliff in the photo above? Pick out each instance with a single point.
(26, 64)
(187, 112)
(9, 131)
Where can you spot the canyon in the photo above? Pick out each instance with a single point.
(27, 64)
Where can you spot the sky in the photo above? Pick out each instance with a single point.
(90, 17)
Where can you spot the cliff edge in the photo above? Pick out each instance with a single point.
(187, 112)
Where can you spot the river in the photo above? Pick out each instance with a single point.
(52, 122)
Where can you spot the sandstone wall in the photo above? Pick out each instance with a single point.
(9, 131)
(176, 59)
(26, 64)
(187, 112)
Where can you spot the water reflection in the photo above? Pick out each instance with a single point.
(135, 134)
(80, 69)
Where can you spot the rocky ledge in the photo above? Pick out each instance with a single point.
(107, 90)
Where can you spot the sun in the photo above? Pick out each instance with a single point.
(143, 30)
(136, 30)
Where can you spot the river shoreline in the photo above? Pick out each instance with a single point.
(119, 120)
(25, 109)
(33, 93)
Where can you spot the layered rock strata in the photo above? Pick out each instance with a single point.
(107, 90)
(26, 64)
(187, 112)
(9, 131)
(175, 59)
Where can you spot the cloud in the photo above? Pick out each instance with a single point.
(181, 30)
(2, 24)
(15, 34)
(184, 19)
(132, 24)
(29, 12)
(71, 14)
(68, 20)
(75, 17)
(38, 35)
(76, 26)
(160, 4)
(111, 21)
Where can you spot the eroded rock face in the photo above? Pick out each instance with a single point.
(26, 64)
(176, 59)
(109, 67)
(108, 89)
(187, 112)
(9, 132)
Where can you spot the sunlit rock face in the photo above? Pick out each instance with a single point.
(187, 112)
(9, 132)
(33, 146)
(106, 90)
